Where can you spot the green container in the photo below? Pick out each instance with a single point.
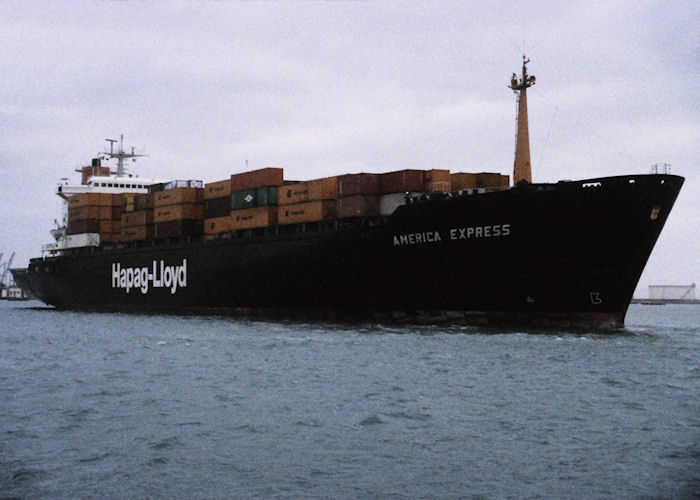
(249, 198)
(243, 199)
(266, 196)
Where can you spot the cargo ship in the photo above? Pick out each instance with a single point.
(408, 245)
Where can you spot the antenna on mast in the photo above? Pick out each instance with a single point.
(521, 165)
(120, 154)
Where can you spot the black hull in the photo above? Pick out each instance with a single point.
(567, 254)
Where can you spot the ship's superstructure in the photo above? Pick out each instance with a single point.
(409, 244)
(99, 179)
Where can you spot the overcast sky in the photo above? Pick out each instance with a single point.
(326, 88)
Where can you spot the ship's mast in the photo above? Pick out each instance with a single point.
(521, 166)
(120, 154)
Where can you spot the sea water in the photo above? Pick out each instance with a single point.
(96, 405)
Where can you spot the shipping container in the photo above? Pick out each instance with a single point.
(217, 207)
(138, 218)
(110, 237)
(177, 228)
(116, 212)
(266, 195)
(180, 183)
(310, 211)
(131, 202)
(218, 189)
(89, 212)
(80, 240)
(437, 181)
(249, 198)
(462, 180)
(128, 202)
(354, 184)
(143, 201)
(300, 192)
(177, 196)
(388, 203)
(138, 233)
(257, 178)
(402, 181)
(155, 188)
(216, 225)
(358, 206)
(110, 226)
(90, 199)
(92, 226)
(182, 211)
(251, 218)
(83, 226)
(243, 199)
(492, 180)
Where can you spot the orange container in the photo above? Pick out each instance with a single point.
(138, 218)
(217, 189)
(358, 206)
(402, 181)
(178, 228)
(178, 196)
(182, 211)
(354, 184)
(437, 181)
(311, 211)
(116, 212)
(137, 233)
(216, 225)
(492, 180)
(83, 226)
(257, 178)
(110, 237)
(84, 212)
(461, 180)
(300, 192)
(251, 218)
(128, 204)
(109, 226)
(90, 199)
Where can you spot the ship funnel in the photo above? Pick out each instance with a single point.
(521, 165)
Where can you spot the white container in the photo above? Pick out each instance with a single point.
(390, 202)
(79, 240)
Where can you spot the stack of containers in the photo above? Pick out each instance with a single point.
(94, 213)
(483, 180)
(393, 187)
(463, 180)
(137, 217)
(309, 201)
(217, 207)
(254, 198)
(490, 180)
(358, 195)
(115, 235)
(178, 211)
(437, 181)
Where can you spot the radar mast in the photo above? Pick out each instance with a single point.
(120, 154)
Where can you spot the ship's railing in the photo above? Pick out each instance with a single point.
(661, 168)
